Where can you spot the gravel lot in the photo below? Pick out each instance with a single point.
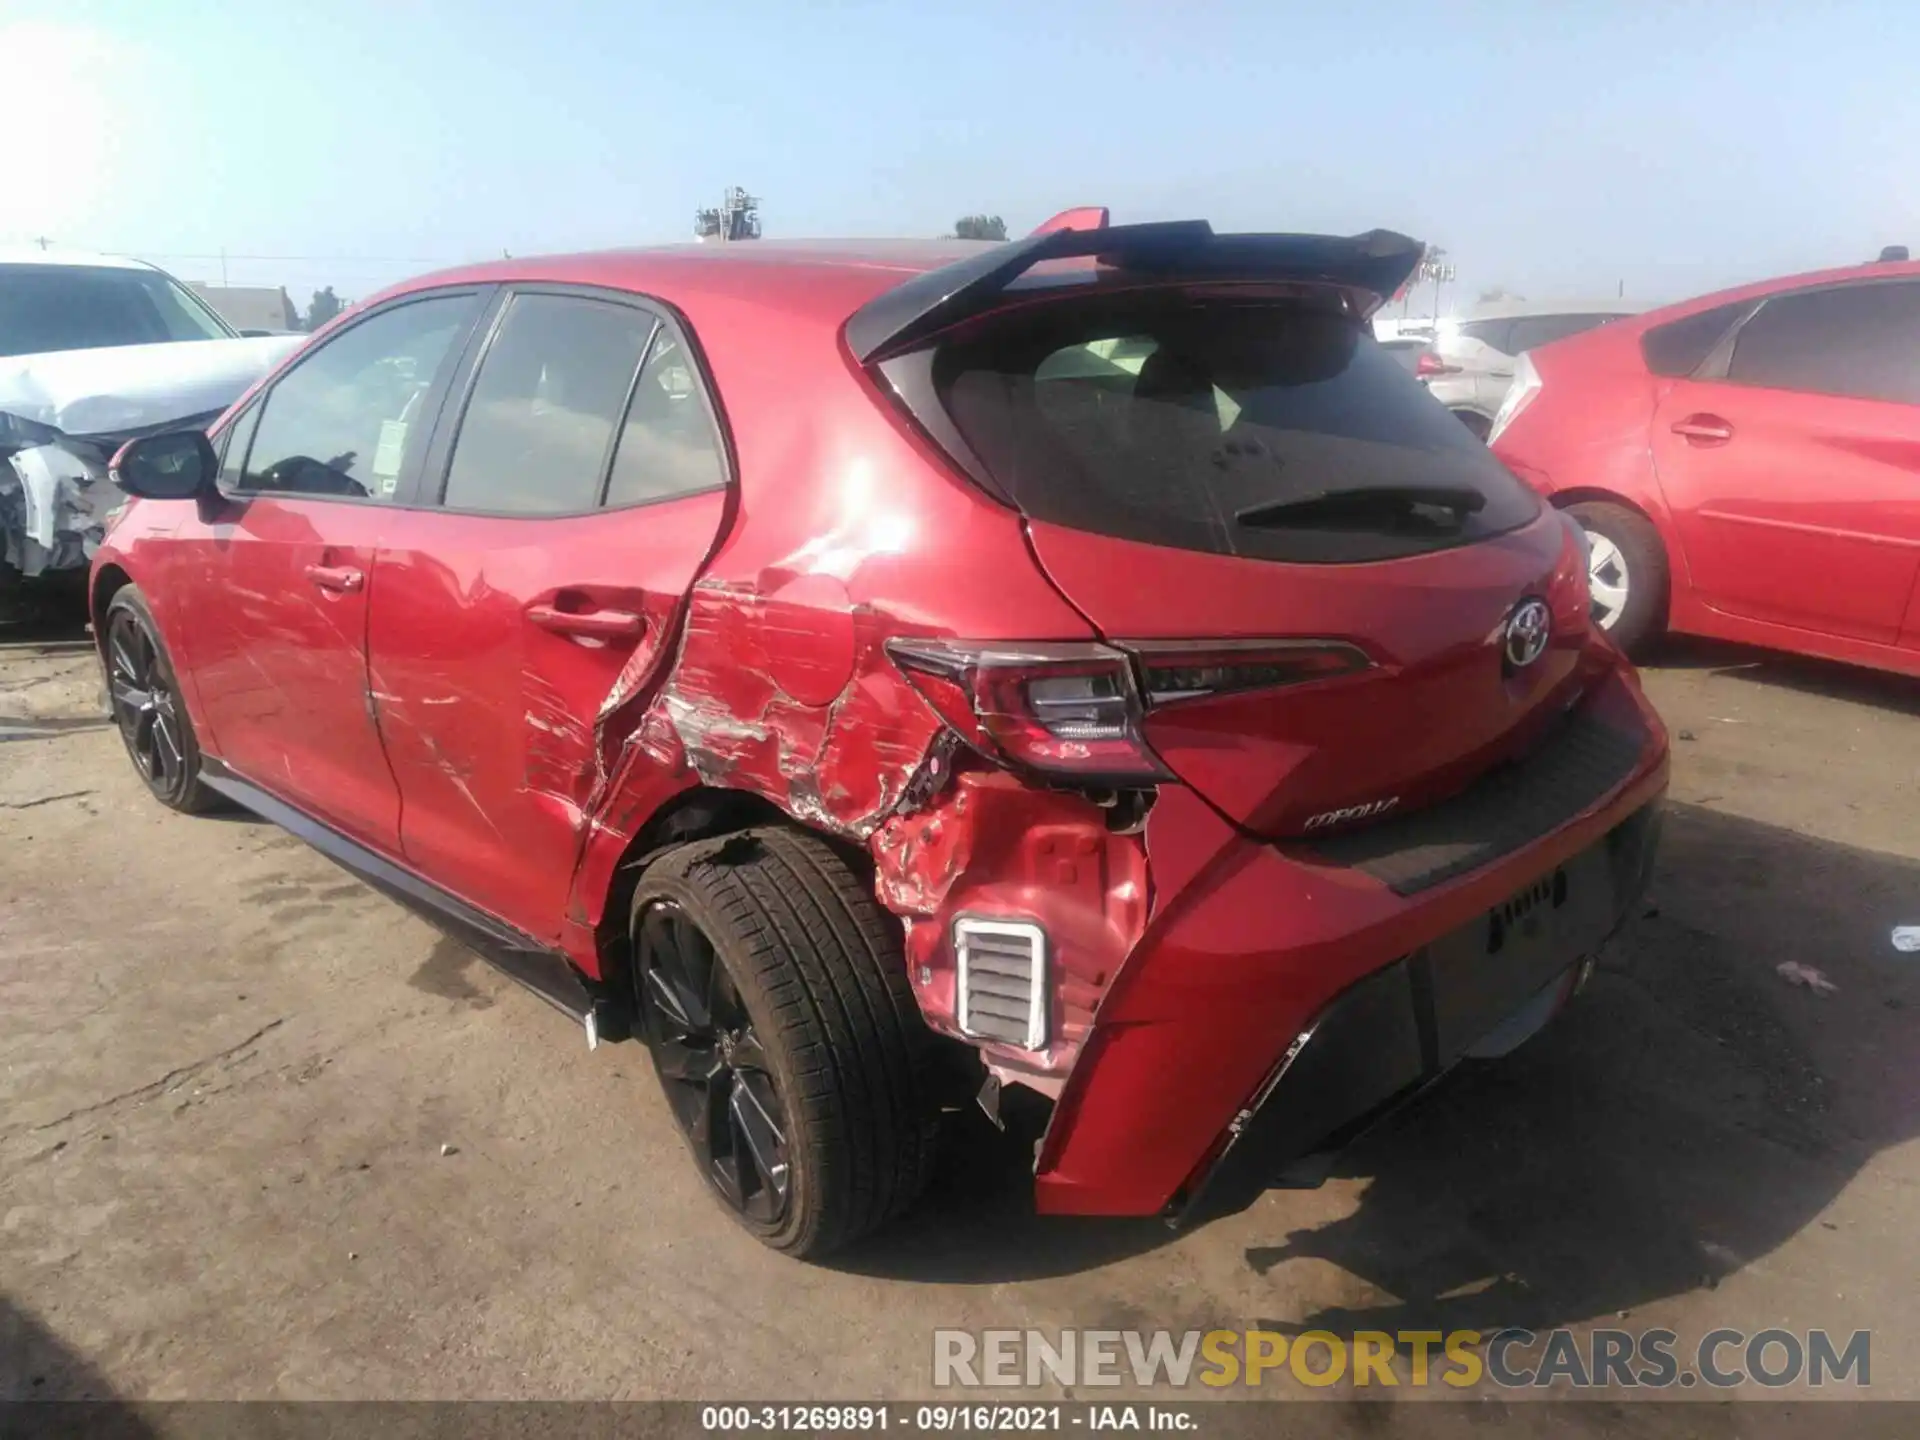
(229, 1075)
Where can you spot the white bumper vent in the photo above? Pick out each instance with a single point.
(1002, 968)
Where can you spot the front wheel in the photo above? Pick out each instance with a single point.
(1627, 574)
(145, 700)
(774, 998)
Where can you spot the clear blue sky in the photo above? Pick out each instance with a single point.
(1551, 147)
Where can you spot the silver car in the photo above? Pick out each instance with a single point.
(1469, 366)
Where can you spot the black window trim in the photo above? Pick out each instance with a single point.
(438, 462)
(1719, 360)
(405, 495)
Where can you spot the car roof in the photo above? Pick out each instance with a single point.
(831, 277)
(1757, 289)
(75, 259)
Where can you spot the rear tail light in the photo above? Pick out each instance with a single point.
(1430, 365)
(1075, 709)
(1526, 385)
(1062, 709)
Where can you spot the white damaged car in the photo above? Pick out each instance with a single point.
(95, 350)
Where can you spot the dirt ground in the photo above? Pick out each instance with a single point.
(229, 1074)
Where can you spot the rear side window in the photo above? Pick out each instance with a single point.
(1861, 341)
(539, 424)
(669, 445)
(1530, 332)
(1679, 347)
(1266, 430)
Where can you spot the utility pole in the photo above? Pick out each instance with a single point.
(42, 241)
(223, 267)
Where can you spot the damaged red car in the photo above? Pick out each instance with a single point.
(1088, 659)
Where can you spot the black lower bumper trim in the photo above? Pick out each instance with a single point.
(1391, 1034)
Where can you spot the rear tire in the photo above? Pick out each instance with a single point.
(143, 696)
(1628, 573)
(773, 995)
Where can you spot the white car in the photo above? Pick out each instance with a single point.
(1469, 366)
(95, 349)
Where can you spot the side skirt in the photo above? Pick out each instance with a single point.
(541, 969)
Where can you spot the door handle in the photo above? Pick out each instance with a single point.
(593, 624)
(1703, 430)
(343, 579)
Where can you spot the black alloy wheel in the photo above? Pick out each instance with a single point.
(718, 1076)
(144, 704)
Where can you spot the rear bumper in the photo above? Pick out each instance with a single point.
(1392, 1034)
(1282, 997)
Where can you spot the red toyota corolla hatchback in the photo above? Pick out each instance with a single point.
(1747, 464)
(1089, 659)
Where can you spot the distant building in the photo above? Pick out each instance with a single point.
(251, 307)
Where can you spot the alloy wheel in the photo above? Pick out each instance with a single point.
(717, 1075)
(144, 704)
(1607, 579)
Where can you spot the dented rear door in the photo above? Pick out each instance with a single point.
(581, 483)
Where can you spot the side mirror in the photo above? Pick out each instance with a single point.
(178, 465)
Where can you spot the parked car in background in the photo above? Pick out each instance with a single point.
(1469, 366)
(1747, 464)
(1124, 673)
(94, 349)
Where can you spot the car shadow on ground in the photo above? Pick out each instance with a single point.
(1692, 1112)
(37, 1366)
(1827, 678)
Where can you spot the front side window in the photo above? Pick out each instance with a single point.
(550, 392)
(1861, 341)
(46, 308)
(346, 420)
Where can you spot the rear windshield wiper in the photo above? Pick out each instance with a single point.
(1328, 505)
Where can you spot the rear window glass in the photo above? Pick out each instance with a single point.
(1678, 347)
(1271, 431)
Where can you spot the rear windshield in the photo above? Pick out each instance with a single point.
(44, 308)
(1195, 423)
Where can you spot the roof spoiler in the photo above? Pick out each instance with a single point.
(1378, 262)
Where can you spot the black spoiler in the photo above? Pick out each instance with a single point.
(1377, 262)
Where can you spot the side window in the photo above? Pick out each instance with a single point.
(233, 448)
(1678, 347)
(669, 445)
(344, 421)
(1533, 331)
(1861, 341)
(540, 420)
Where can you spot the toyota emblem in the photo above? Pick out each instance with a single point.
(1527, 630)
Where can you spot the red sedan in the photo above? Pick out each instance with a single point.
(1088, 659)
(1747, 464)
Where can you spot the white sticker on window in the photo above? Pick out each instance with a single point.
(386, 458)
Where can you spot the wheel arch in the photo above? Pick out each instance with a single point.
(108, 581)
(702, 812)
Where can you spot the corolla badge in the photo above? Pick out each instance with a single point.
(1528, 629)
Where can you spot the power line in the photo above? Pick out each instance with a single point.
(314, 259)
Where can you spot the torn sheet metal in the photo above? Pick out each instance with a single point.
(62, 415)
